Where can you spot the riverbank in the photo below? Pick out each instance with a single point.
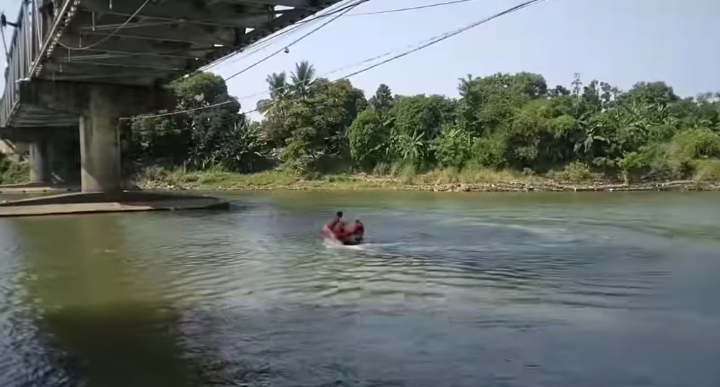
(438, 181)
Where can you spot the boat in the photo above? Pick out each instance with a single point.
(353, 235)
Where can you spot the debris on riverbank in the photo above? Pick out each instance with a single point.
(277, 181)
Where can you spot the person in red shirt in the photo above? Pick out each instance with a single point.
(359, 226)
(334, 227)
(356, 230)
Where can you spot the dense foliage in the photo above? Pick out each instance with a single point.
(12, 172)
(502, 121)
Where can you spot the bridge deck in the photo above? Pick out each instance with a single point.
(126, 42)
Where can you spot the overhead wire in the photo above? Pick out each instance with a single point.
(427, 43)
(302, 23)
(339, 14)
(109, 35)
(449, 35)
(181, 111)
(414, 8)
(264, 91)
(268, 41)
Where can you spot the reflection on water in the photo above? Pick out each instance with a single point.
(461, 290)
(83, 313)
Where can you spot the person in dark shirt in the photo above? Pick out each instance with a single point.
(335, 221)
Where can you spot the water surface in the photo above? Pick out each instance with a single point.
(611, 289)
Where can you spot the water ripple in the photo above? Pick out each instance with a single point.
(454, 290)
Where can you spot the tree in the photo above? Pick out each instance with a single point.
(383, 99)
(312, 125)
(280, 92)
(196, 139)
(303, 80)
(417, 122)
(369, 136)
(317, 127)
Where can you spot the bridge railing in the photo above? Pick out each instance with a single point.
(25, 47)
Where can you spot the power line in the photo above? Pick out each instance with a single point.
(250, 95)
(182, 111)
(264, 91)
(267, 41)
(423, 44)
(111, 34)
(415, 8)
(435, 40)
(428, 43)
(449, 35)
(254, 48)
(304, 22)
(347, 9)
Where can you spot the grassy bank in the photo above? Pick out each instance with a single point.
(439, 181)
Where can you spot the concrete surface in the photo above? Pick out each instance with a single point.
(86, 203)
(100, 143)
(30, 189)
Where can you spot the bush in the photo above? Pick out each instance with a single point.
(12, 172)
(574, 172)
(696, 144)
(489, 152)
(452, 148)
(707, 170)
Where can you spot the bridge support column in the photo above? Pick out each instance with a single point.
(39, 163)
(100, 143)
(99, 106)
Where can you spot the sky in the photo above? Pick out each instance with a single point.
(617, 41)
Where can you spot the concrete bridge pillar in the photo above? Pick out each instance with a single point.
(39, 163)
(99, 107)
(100, 143)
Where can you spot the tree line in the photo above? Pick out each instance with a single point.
(313, 126)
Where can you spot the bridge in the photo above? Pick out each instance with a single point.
(76, 66)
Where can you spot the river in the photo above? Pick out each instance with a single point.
(576, 290)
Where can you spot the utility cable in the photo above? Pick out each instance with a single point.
(423, 44)
(347, 9)
(182, 111)
(448, 35)
(428, 43)
(111, 34)
(303, 22)
(268, 40)
(415, 8)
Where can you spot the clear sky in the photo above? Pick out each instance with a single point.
(617, 41)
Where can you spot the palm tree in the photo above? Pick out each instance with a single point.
(278, 85)
(303, 79)
(279, 93)
(465, 87)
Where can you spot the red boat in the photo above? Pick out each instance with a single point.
(349, 234)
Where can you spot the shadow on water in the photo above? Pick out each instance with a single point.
(90, 318)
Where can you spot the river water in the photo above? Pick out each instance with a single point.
(576, 290)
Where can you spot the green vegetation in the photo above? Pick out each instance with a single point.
(503, 127)
(12, 172)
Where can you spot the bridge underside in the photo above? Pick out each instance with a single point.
(33, 116)
(107, 59)
(162, 42)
